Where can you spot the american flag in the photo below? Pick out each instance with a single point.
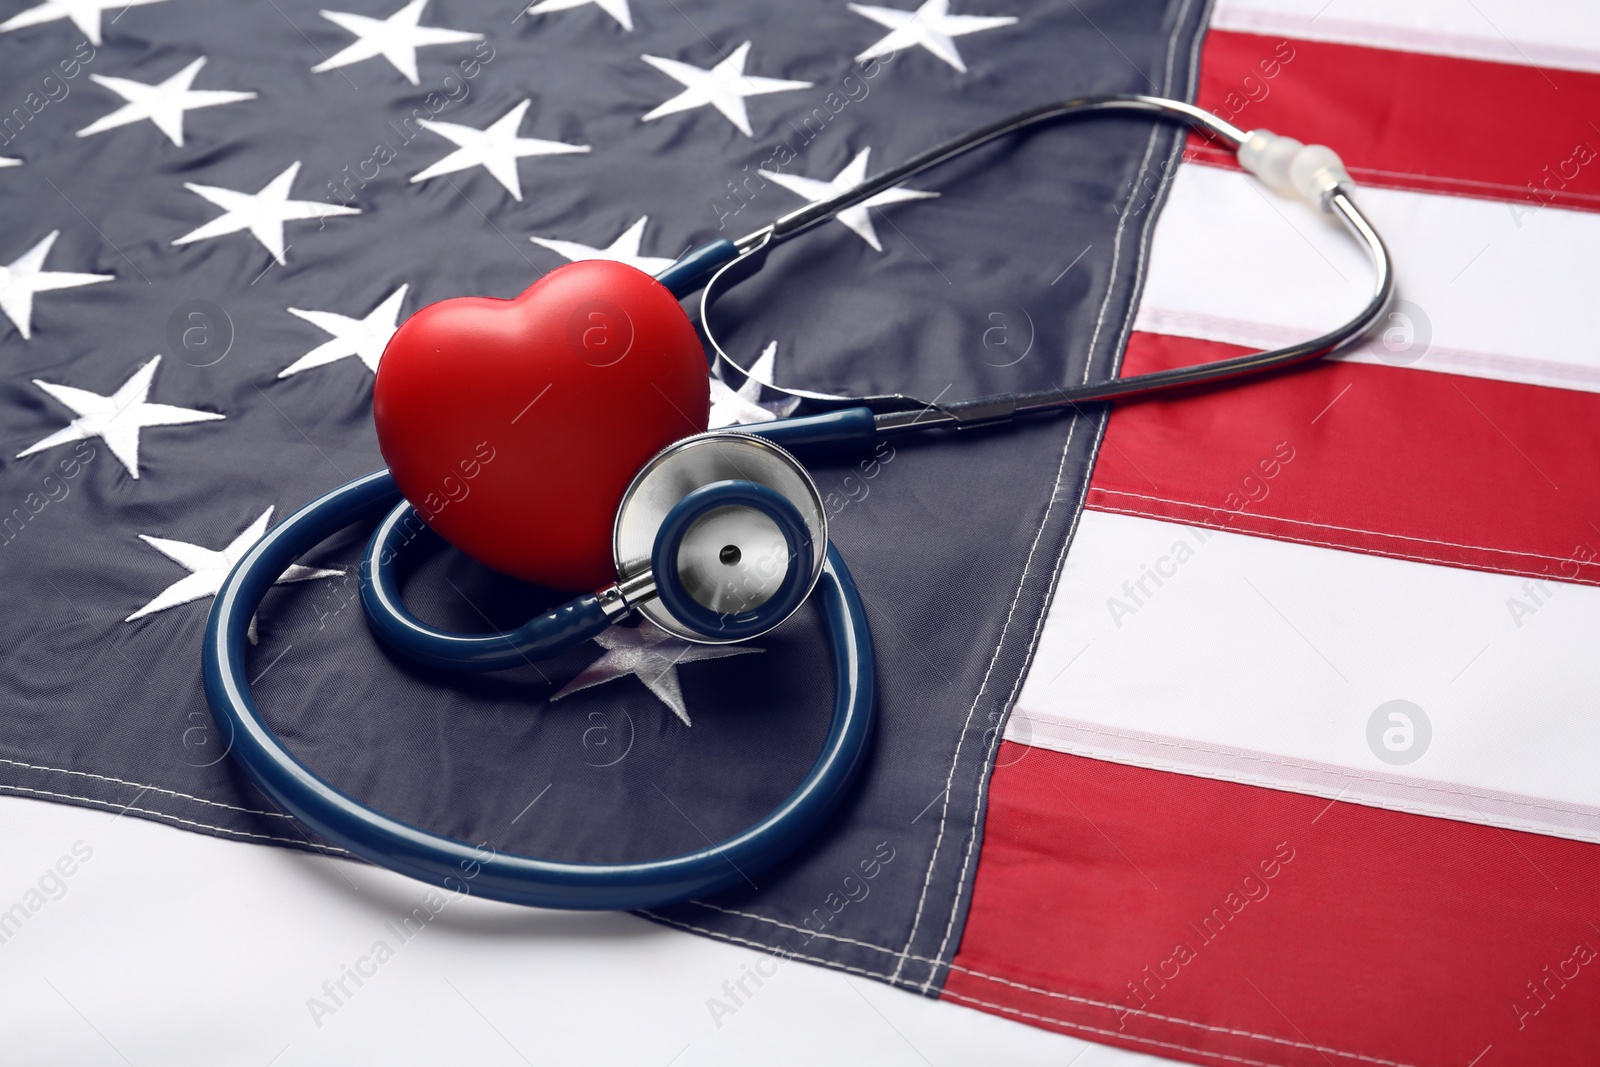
(1249, 726)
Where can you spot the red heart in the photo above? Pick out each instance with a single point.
(513, 426)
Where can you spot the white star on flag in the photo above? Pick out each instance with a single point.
(739, 407)
(931, 26)
(617, 9)
(115, 419)
(624, 249)
(854, 173)
(263, 213)
(208, 568)
(85, 14)
(724, 87)
(496, 149)
(364, 338)
(395, 38)
(25, 275)
(163, 103)
(653, 655)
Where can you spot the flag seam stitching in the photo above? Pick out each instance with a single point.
(1355, 775)
(869, 973)
(1373, 550)
(949, 782)
(1328, 526)
(142, 786)
(1135, 289)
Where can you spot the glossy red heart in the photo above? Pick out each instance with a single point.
(513, 426)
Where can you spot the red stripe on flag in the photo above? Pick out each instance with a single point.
(1437, 468)
(1227, 924)
(1408, 120)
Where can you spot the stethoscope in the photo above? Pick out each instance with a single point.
(720, 537)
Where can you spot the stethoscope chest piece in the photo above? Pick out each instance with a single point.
(727, 530)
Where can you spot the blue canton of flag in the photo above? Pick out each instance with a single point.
(212, 220)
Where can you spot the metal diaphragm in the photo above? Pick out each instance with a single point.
(732, 559)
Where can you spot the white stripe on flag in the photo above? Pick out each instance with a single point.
(1241, 658)
(1491, 290)
(1551, 33)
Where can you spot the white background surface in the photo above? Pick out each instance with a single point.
(171, 948)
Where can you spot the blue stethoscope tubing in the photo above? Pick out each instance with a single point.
(463, 868)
